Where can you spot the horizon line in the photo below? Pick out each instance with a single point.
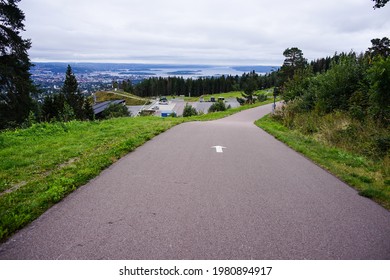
(153, 63)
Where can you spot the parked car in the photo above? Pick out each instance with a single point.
(163, 101)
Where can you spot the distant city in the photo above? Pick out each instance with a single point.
(93, 77)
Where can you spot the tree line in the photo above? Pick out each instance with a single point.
(355, 83)
(176, 86)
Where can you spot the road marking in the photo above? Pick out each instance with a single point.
(218, 149)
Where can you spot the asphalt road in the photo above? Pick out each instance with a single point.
(177, 198)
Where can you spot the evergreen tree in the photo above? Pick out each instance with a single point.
(72, 94)
(15, 82)
(294, 60)
(249, 89)
(53, 107)
(380, 47)
(88, 109)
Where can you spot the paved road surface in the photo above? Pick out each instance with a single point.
(176, 198)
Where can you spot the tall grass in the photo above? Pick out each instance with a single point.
(339, 129)
(357, 152)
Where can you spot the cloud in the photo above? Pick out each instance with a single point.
(202, 31)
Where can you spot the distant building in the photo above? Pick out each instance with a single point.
(98, 108)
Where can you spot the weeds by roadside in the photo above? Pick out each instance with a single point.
(351, 151)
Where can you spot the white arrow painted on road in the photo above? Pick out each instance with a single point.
(219, 149)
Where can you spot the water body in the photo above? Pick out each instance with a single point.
(147, 70)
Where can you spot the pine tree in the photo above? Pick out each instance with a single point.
(380, 47)
(249, 88)
(294, 60)
(88, 110)
(72, 94)
(15, 82)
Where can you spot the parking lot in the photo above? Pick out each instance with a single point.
(177, 106)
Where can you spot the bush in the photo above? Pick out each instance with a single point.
(217, 107)
(379, 76)
(189, 111)
(116, 111)
(336, 87)
(262, 97)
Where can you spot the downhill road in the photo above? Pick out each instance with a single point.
(177, 198)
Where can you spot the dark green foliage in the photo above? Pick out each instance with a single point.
(70, 104)
(175, 86)
(217, 107)
(346, 106)
(15, 83)
(88, 109)
(72, 94)
(127, 86)
(380, 47)
(321, 65)
(335, 87)
(115, 111)
(379, 99)
(262, 97)
(298, 85)
(380, 3)
(294, 60)
(53, 107)
(249, 88)
(189, 111)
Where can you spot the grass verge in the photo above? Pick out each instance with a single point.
(367, 176)
(44, 163)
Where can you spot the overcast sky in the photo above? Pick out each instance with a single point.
(229, 32)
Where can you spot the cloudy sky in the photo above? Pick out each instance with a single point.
(229, 32)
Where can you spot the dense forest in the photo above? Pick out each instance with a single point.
(204, 85)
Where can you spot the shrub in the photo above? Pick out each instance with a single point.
(189, 111)
(262, 97)
(217, 107)
(336, 87)
(116, 111)
(379, 76)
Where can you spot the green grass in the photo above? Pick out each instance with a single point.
(369, 177)
(48, 161)
(42, 164)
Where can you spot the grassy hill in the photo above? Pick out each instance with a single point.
(131, 100)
